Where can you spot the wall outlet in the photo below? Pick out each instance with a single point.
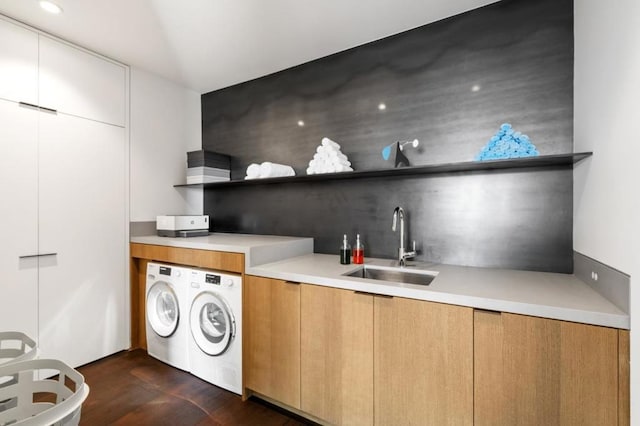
(609, 282)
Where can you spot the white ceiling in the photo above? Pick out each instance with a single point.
(209, 44)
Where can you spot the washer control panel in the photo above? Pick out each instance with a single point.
(225, 282)
(212, 279)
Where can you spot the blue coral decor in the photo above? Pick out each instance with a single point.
(507, 144)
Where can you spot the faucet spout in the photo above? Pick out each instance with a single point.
(397, 212)
(403, 254)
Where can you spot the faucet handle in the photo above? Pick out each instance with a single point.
(414, 246)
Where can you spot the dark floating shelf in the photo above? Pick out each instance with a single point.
(515, 163)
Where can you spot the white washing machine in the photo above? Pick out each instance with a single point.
(167, 310)
(215, 322)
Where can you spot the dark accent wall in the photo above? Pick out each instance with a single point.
(518, 54)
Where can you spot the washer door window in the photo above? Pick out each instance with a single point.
(212, 323)
(162, 309)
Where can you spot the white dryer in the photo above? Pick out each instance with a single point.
(167, 309)
(215, 321)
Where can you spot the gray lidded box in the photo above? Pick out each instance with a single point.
(203, 158)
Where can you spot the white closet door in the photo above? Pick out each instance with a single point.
(18, 218)
(18, 63)
(82, 219)
(81, 84)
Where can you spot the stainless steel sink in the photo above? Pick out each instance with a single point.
(397, 275)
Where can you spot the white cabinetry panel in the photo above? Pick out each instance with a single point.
(18, 218)
(82, 219)
(78, 83)
(63, 186)
(18, 63)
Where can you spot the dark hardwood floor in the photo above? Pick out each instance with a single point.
(132, 388)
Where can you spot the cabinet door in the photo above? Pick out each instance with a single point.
(272, 354)
(19, 218)
(18, 63)
(534, 371)
(423, 363)
(336, 329)
(78, 83)
(82, 218)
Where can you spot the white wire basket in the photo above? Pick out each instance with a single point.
(27, 401)
(16, 347)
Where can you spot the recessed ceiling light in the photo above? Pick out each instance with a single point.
(382, 106)
(300, 123)
(50, 7)
(476, 88)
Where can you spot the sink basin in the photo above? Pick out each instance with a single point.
(397, 275)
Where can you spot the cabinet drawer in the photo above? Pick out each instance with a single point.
(538, 371)
(336, 355)
(272, 332)
(224, 261)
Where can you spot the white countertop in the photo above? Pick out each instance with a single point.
(258, 249)
(541, 294)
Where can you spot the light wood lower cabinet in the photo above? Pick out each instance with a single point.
(336, 355)
(342, 357)
(272, 353)
(407, 361)
(536, 371)
(624, 385)
(423, 363)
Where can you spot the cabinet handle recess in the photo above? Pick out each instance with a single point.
(51, 110)
(366, 293)
(487, 311)
(292, 282)
(41, 108)
(28, 105)
(37, 255)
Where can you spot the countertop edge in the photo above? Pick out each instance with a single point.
(584, 316)
(262, 260)
(255, 253)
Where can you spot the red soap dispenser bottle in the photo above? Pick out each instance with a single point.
(358, 251)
